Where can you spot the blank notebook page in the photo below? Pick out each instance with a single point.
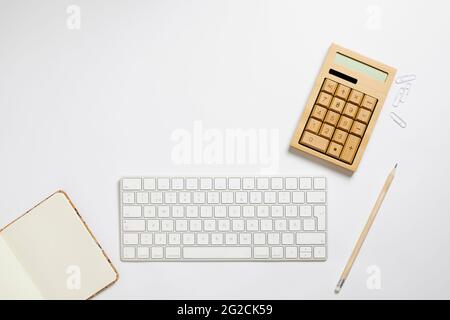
(57, 251)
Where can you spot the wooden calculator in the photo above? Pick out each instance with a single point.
(343, 107)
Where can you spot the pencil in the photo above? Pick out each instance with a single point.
(365, 231)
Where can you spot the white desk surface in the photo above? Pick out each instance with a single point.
(82, 108)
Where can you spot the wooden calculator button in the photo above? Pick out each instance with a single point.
(369, 102)
(337, 105)
(326, 131)
(350, 148)
(334, 150)
(313, 125)
(324, 99)
(342, 92)
(329, 86)
(332, 118)
(355, 97)
(345, 123)
(350, 110)
(363, 115)
(340, 136)
(358, 129)
(314, 141)
(319, 112)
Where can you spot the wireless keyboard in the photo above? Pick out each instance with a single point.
(223, 219)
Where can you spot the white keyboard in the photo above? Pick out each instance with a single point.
(223, 219)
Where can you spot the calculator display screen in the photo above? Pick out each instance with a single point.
(360, 67)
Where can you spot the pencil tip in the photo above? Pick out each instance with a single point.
(336, 291)
(396, 165)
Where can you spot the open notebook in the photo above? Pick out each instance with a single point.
(49, 253)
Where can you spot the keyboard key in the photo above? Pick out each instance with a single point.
(291, 183)
(156, 197)
(131, 211)
(167, 225)
(191, 184)
(337, 105)
(209, 225)
(174, 238)
(188, 238)
(358, 129)
(287, 238)
(133, 225)
(280, 225)
(192, 211)
(291, 211)
(231, 238)
(319, 112)
(206, 211)
(305, 183)
(309, 224)
(160, 238)
(129, 252)
(298, 197)
(315, 196)
(326, 131)
(262, 211)
(128, 197)
(130, 238)
(305, 253)
(205, 183)
(313, 126)
(261, 252)
(248, 183)
(185, 197)
(262, 183)
(345, 123)
(150, 184)
(163, 183)
(270, 197)
(248, 211)
(177, 183)
(199, 197)
(234, 183)
(311, 238)
(241, 197)
(173, 252)
(305, 211)
(369, 103)
(363, 115)
(319, 252)
(217, 253)
(181, 225)
(314, 141)
(195, 225)
(340, 136)
(143, 252)
(266, 225)
(223, 225)
(342, 92)
(284, 197)
(177, 211)
(153, 225)
(355, 97)
(350, 110)
(220, 211)
(255, 197)
(319, 183)
(146, 238)
(217, 238)
(295, 225)
(202, 238)
(320, 214)
(277, 211)
(277, 183)
(334, 150)
(350, 148)
(291, 252)
(277, 253)
(273, 238)
(170, 197)
(329, 86)
(131, 184)
(245, 238)
(220, 183)
(157, 253)
(227, 197)
(324, 99)
(163, 212)
(234, 211)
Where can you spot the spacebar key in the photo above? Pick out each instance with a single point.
(217, 252)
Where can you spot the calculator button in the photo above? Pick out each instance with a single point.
(350, 110)
(350, 148)
(369, 102)
(345, 123)
(358, 129)
(324, 99)
(314, 141)
(342, 92)
(326, 131)
(319, 112)
(329, 86)
(337, 105)
(363, 115)
(313, 125)
(355, 97)
(334, 150)
(332, 118)
(340, 136)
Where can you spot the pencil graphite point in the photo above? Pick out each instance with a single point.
(396, 165)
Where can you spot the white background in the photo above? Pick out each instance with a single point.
(82, 108)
